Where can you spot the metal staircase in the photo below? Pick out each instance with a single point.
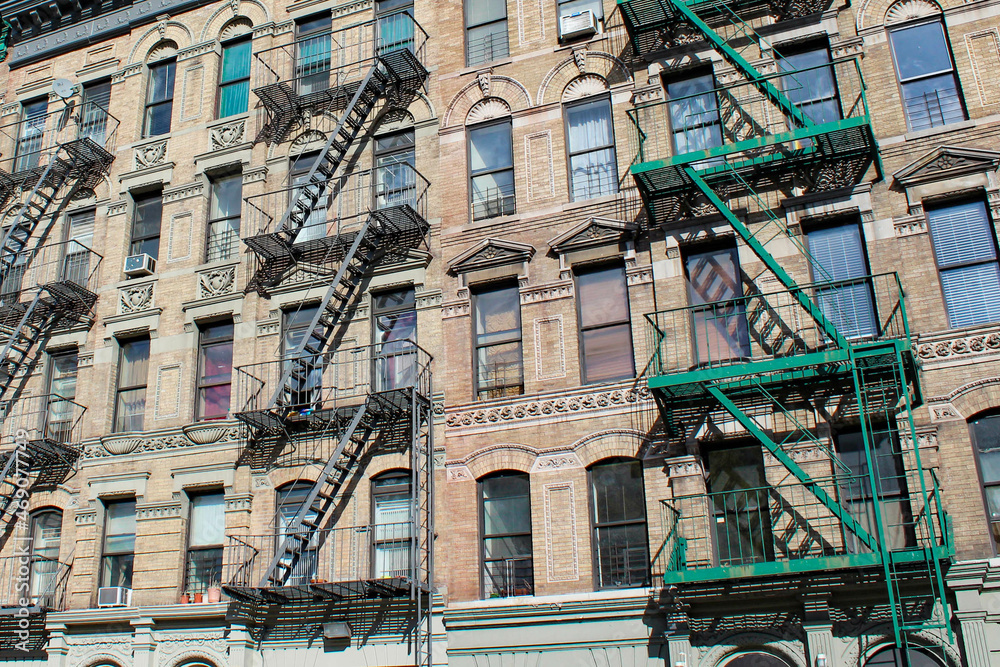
(319, 406)
(768, 364)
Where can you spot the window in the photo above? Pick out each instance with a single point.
(395, 158)
(618, 502)
(605, 325)
(838, 257)
(146, 224)
(739, 505)
(96, 104)
(715, 291)
(304, 390)
(491, 167)
(13, 276)
(395, 332)
(314, 225)
(206, 535)
(813, 88)
(391, 500)
(966, 251)
(694, 113)
(119, 543)
(31, 135)
(291, 500)
(215, 370)
(485, 31)
(312, 54)
(986, 438)
(756, 659)
(234, 79)
(926, 75)
(395, 24)
(80, 240)
(159, 99)
(46, 532)
(593, 170)
(133, 363)
(891, 489)
(506, 535)
(571, 7)
(892, 657)
(62, 390)
(224, 218)
(499, 371)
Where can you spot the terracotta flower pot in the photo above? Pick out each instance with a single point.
(214, 594)
(185, 598)
(198, 597)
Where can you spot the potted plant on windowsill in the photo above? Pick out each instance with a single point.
(214, 593)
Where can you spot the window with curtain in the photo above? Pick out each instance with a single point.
(605, 325)
(234, 80)
(224, 218)
(313, 41)
(46, 533)
(133, 371)
(206, 536)
(618, 504)
(718, 313)
(506, 535)
(215, 370)
(986, 440)
(694, 113)
(499, 368)
(593, 169)
(394, 22)
(838, 257)
(739, 505)
(965, 248)
(291, 500)
(393, 530)
(80, 236)
(147, 216)
(159, 98)
(119, 543)
(31, 135)
(491, 170)
(314, 225)
(926, 75)
(62, 391)
(812, 88)
(395, 333)
(485, 31)
(94, 114)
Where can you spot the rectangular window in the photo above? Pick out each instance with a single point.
(119, 543)
(395, 332)
(133, 367)
(290, 501)
(224, 218)
(718, 313)
(506, 536)
(965, 247)
(96, 104)
(593, 169)
(312, 54)
(215, 370)
(159, 99)
(206, 535)
(62, 390)
(491, 170)
(838, 258)
(391, 501)
(304, 389)
(571, 7)
(621, 545)
(394, 21)
(739, 505)
(605, 325)
(396, 181)
(147, 216)
(694, 113)
(31, 135)
(314, 225)
(234, 80)
(80, 236)
(485, 31)
(499, 368)
(986, 437)
(813, 88)
(926, 75)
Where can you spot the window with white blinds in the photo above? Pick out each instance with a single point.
(966, 252)
(838, 258)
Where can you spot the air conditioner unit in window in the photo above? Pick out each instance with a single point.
(577, 25)
(114, 596)
(139, 265)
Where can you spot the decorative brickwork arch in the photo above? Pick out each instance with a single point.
(581, 63)
(486, 84)
(165, 31)
(732, 646)
(876, 13)
(384, 463)
(195, 659)
(611, 443)
(858, 653)
(488, 109)
(251, 10)
(974, 397)
(101, 660)
(494, 458)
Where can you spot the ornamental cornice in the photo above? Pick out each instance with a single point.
(167, 510)
(951, 347)
(161, 442)
(184, 191)
(562, 289)
(196, 50)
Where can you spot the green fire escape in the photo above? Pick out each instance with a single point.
(769, 364)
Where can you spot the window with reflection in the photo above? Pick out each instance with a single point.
(812, 88)
(304, 389)
(491, 170)
(234, 78)
(224, 207)
(395, 332)
(926, 75)
(392, 495)
(314, 225)
(893, 657)
(485, 31)
(694, 112)
(739, 504)
(80, 240)
(159, 98)
(395, 178)
(291, 499)
(498, 355)
(718, 310)
(986, 438)
(215, 369)
(838, 258)
(618, 503)
(147, 216)
(605, 324)
(62, 392)
(133, 372)
(206, 535)
(46, 532)
(506, 535)
(313, 40)
(590, 138)
(31, 134)
(119, 543)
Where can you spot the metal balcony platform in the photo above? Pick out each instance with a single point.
(362, 589)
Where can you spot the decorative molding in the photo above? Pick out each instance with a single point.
(157, 443)
(456, 309)
(227, 135)
(908, 10)
(428, 299)
(85, 517)
(126, 72)
(490, 253)
(944, 412)
(167, 510)
(584, 86)
(488, 109)
(459, 473)
(556, 462)
(195, 50)
(118, 207)
(254, 175)
(647, 95)
(239, 503)
(847, 48)
(268, 327)
(592, 232)
(910, 225)
(685, 466)
(184, 191)
(562, 289)
(946, 162)
(553, 365)
(150, 155)
(216, 282)
(552, 524)
(85, 360)
(639, 275)
(135, 299)
(934, 349)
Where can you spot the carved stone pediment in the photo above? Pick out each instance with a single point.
(946, 162)
(490, 253)
(591, 233)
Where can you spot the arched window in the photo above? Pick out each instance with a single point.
(46, 531)
(618, 515)
(756, 659)
(506, 535)
(986, 441)
(392, 522)
(891, 657)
